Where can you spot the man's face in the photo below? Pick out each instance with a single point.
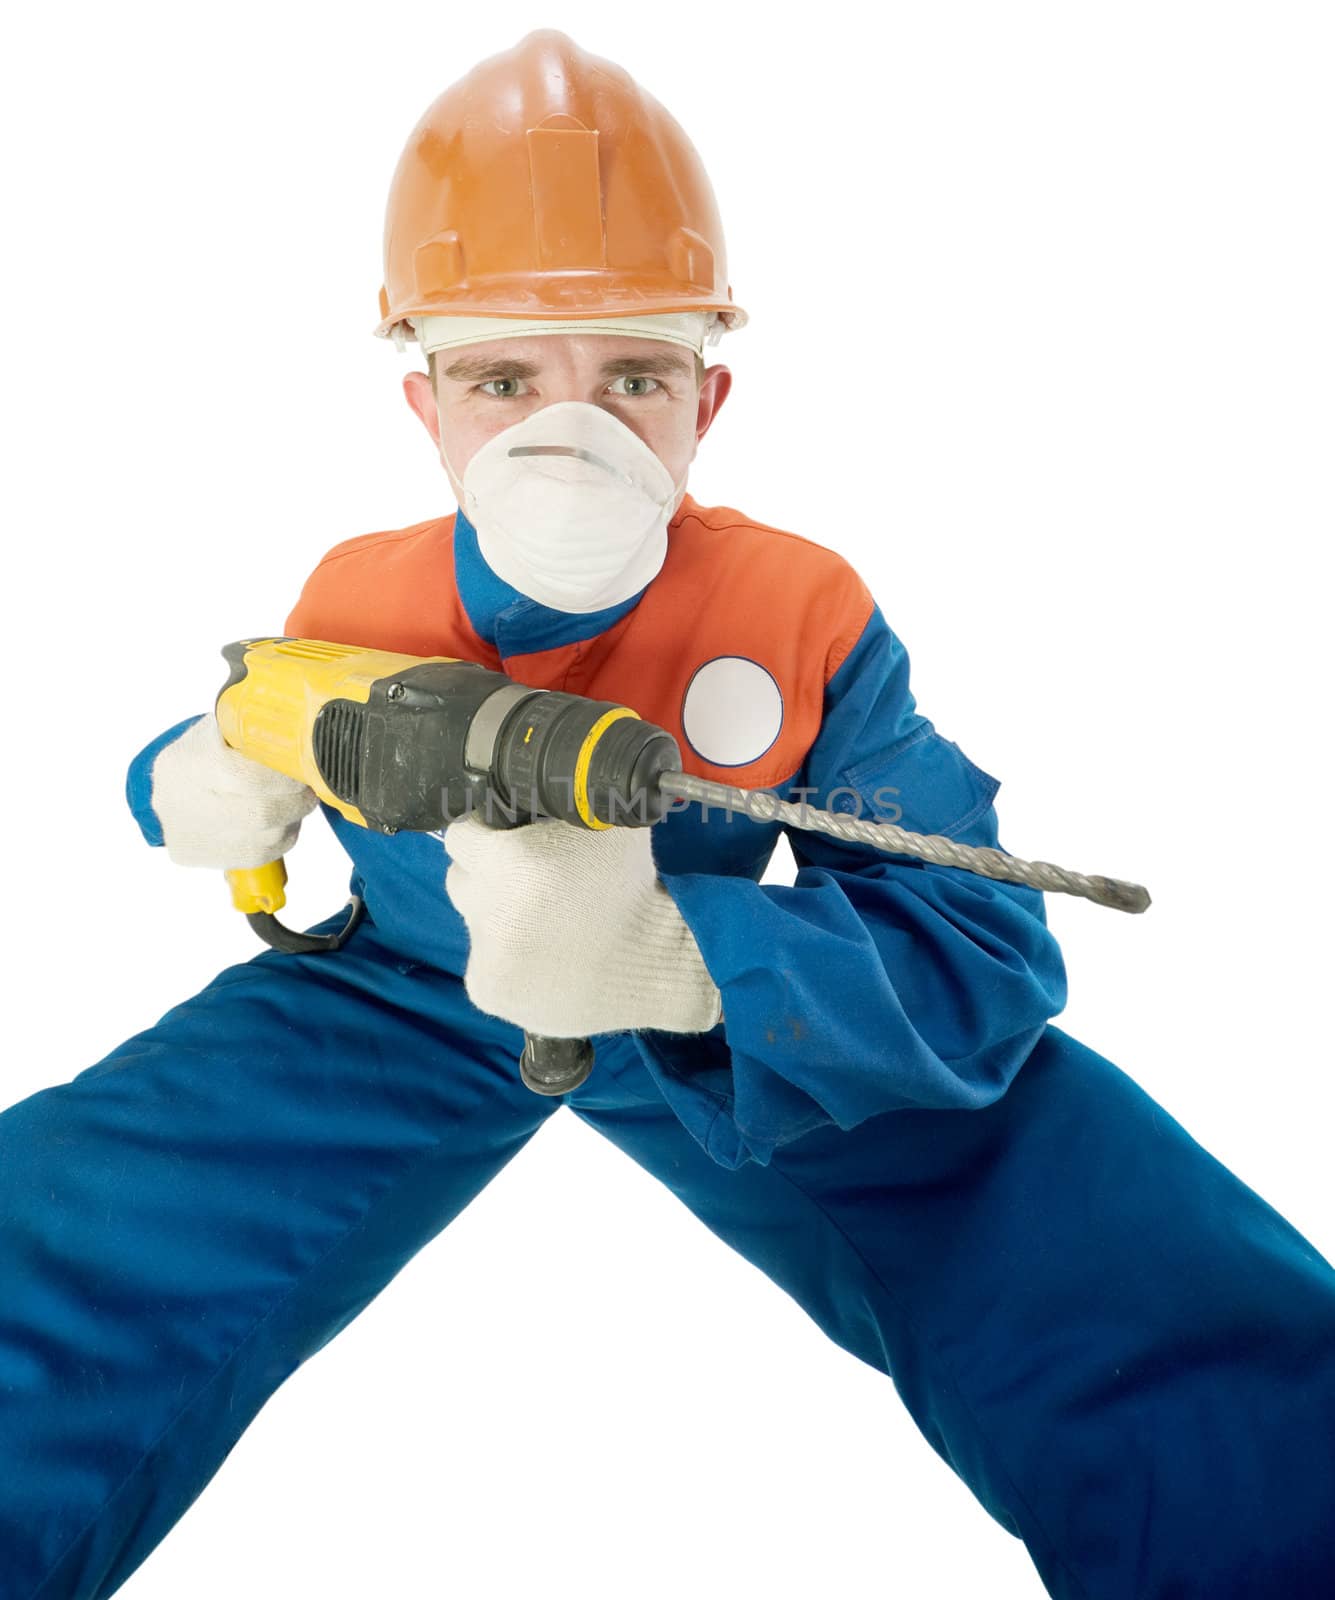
(648, 384)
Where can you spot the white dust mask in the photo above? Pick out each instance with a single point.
(571, 507)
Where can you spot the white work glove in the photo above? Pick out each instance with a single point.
(220, 809)
(571, 931)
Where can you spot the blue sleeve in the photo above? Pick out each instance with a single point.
(874, 982)
(139, 781)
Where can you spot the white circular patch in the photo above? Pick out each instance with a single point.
(732, 712)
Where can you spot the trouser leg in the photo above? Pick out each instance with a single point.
(185, 1223)
(1126, 1354)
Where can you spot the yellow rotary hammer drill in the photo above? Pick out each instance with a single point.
(399, 742)
(408, 742)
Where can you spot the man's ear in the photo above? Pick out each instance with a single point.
(417, 392)
(714, 387)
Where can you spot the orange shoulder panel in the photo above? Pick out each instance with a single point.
(730, 648)
(391, 591)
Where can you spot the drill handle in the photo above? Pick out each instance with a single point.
(554, 1066)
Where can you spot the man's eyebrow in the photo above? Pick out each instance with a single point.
(661, 364)
(467, 368)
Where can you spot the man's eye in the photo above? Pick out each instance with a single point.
(637, 378)
(510, 394)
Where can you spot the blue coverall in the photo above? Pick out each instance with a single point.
(1123, 1351)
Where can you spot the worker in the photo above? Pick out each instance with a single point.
(853, 1079)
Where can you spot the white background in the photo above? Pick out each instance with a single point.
(1041, 339)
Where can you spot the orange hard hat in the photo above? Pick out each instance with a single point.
(547, 183)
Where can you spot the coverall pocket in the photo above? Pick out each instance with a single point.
(923, 782)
